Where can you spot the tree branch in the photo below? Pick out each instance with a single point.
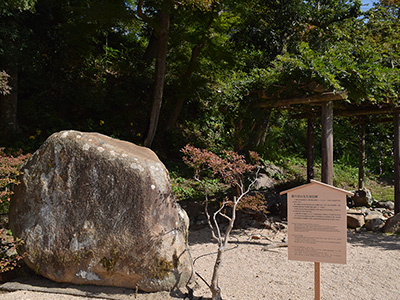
(216, 223)
(225, 216)
(214, 236)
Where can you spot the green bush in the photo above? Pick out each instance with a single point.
(189, 189)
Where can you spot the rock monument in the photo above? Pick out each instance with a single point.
(96, 210)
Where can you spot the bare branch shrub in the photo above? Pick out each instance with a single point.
(231, 168)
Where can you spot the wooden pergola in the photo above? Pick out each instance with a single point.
(326, 100)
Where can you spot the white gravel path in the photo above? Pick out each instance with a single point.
(372, 271)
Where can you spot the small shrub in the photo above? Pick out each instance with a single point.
(9, 165)
(4, 87)
(9, 257)
(232, 169)
(9, 172)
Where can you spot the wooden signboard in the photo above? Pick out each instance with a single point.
(317, 223)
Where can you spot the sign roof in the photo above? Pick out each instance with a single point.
(314, 182)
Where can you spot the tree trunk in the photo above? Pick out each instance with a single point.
(222, 244)
(215, 290)
(264, 130)
(8, 107)
(396, 152)
(185, 83)
(162, 35)
(327, 143)
(361, 153)
(185, 79)
(310, 149)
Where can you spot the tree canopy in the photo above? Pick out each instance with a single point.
(166, 73)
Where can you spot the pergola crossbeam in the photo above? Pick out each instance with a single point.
(365, 112)
(312, 99)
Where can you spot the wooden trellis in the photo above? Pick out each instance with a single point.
(325, 100)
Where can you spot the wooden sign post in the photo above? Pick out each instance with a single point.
(317, 225)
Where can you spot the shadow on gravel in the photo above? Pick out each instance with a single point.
(36, 283)
(40, 284)
(371, 239)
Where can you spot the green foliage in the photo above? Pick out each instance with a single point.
(381, 189)
(231, 169)
(89, 65)
(294, 172)
(211, 133)
(79, 69)
(14, 35)
(8, 5)
(187, 189)
(345, 176)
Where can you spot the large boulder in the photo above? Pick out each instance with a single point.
(393, 225)
(376, 224)
(373, 214)
(385, 204)
(363, 197)
(96, 210)
(355, 219)
(374, 220)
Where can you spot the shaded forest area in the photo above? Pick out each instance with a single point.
(165, 73)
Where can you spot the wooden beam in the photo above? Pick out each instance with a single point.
(355, 113)
(327, 143)
(306, 115)
(312, 99)
(383, 120)
(356, 121)
(368, 111)
(396, 151)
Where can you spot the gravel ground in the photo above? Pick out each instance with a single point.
(372, 271)
(29, 295)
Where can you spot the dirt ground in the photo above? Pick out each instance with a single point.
(248, 272)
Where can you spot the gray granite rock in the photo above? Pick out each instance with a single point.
(385, 204)
(355, 219)
(96, 210)
(373, 214)
(376, 224)
(363, 198)
(392, 225)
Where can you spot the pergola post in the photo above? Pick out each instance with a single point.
(327, 143)
(326, 172)
(361, 152)
(396, 151)
(310, 149)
